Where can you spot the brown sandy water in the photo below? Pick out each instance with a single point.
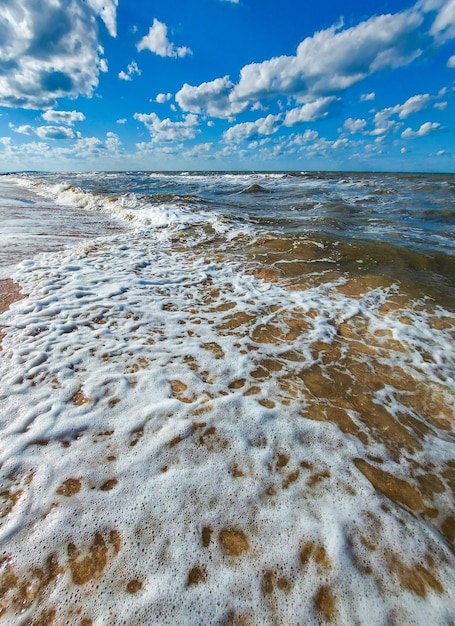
(344, 384)
(9, 292)
(359, 383)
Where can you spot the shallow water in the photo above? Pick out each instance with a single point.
(238, 411)
(30, 225)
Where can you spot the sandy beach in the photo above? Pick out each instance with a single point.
(9, 293)
(212, 416)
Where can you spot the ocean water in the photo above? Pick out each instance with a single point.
(228, 398)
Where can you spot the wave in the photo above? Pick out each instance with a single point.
(255, 188)
(144, 213)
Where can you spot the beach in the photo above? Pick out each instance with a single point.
(227, 398)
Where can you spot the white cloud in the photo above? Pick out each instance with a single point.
(382, 122)
(93, 147)
(247, 130)
(412, 105)
(55, 132)
(113, 143)
(334, 59)
(157, 41)
(86, 149)
(443, 27)
(367, 96)
(173, 149)
(123, 120)
(451, 61)
(201, 149)
(330, 61)
(441, 106)
(63, 117)
(50, 49)
(167, 130)
(107, 10)
(103, 63)
(305, 138)
(213, 98)
(24, 129)
(161, 98)
(353, 126)
(341, 142)
(45, 132)
(130, 71)
(309, 112)
(425, 129)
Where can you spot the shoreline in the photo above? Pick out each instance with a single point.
(10, 292)
(207, 422)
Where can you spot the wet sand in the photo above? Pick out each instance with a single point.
(198, 444)
(10, 291)
(32, 224)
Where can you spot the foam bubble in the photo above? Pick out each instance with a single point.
(186, 442)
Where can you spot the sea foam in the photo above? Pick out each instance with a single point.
(187, 442)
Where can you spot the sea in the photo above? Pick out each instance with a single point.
(227, 398)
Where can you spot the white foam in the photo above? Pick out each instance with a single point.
(126, 348)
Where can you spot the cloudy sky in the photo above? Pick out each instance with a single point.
(227, 84)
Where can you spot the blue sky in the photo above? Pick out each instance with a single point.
(227, 84)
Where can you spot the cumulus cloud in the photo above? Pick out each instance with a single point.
(93, 147)
(304, 138)
(113, 143)
(425, 129)
(130, 71)
(49, 49)
(412, 105)
(353, 126)
(107, 10)
(45, 132)
(200, 150)
(166, 130)
(63, 117)
(157, 41)
(23, 129)
(213, 98)
(161, 98)
(326, 63)
(310, 112)
(451, 61)
(443, 27)
(249, 130)
(334, 59)
(55, 132)
(382, 122)
(84, 148)
(367, 96)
